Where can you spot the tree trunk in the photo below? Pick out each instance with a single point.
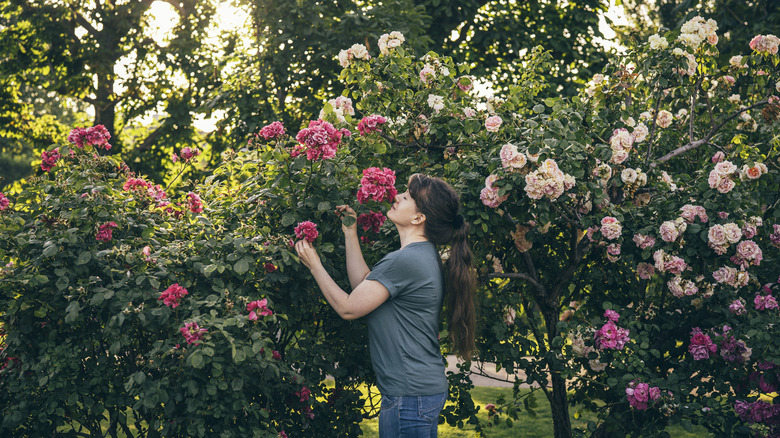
(105, 110)
(559, 402)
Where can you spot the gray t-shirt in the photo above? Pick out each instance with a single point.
(403, 331)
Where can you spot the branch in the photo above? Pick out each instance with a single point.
(521, 276)
(86, 24)
(652, 129)
(706, 138)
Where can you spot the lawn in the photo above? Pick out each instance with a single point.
(525, 427)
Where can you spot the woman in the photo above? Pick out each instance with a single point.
(401, 298)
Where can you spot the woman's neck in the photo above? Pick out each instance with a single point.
(411, 235)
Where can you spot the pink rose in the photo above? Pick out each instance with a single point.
(493, 123)
(306, 230)
(272, 131)
(170, 297)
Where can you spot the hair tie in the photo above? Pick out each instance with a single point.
(458, 221)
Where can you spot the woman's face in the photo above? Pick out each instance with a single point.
(404, 210)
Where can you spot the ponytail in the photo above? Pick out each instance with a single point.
(461, 284)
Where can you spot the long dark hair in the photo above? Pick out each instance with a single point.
(439, 202)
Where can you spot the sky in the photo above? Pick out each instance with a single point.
(163, 18)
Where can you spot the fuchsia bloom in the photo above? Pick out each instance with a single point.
(758, 412)
(371, 124)
(269, 267)
(377, 184)
(737, 307)
(304, 394)
(307, 230)
(611, 315)
(320, 140)
(765, 302)
(105, 230)
(639, 394)
(97, 136)
(170, 297)
(610, 336)
(194, 203)
(272, 131)
(701, 346)
(192, 332)
(49, 159)
(4, 202)
(690, 212)
(259, 304)
(371, 221)
(275, 354)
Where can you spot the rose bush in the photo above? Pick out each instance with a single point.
(627, 243)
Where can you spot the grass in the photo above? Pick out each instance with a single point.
(525, 427)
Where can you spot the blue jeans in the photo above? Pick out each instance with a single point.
(410, 416)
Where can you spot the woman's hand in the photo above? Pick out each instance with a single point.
(344, 212)
(307, 254)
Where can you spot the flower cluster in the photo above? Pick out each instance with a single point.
(272, 131)
(643, 242)
(737, 307)
(657, 42)
(154, 191)
(701, 346)
(489, 194)
(766, 44)
(194, 203)
(734, 350)
(690, 212)
(390, 41)
(192, 332)
(371, 124)
(186, 154)
(436, 102)
(261, 305)
(753, 172)
(104, 231)
(750, 227)
(721, 176)
(621, 143)
(611, 228)
(765, 302)
(341, 105)
(170, 297)
(548, 180)
(427, 74)
(671, 230)
(721, 236)
(49, 159)
(758, 412)
(668, 263)
(4, 202)
(748, 253)
(697, 30)
(645, 270)
(633, 177)
(610, 336)
(306, 230)
(774, 238)
(371, 221)
(639, 394)
(377, 184)
(357, 51)
(511, 159)
(320, 140)
(681, 287)
(97, 136)
(732, 277)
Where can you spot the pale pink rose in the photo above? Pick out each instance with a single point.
(611, 228)
(749, 250)
(725, 167)
(469, 112)
(511, 158)
(725, 275)
(668, 231)
(664, 118)
(733, 232)
(621, 139)
(493, 123)
(619, 156)
(644, 242)
(717, 235)
(726, 185)
(751, 172)
(640, 133)
(613, 252)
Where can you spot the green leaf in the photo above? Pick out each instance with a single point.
(196, 360)
(84, 257)
(49, 249)
(241, 267)
(287, 219)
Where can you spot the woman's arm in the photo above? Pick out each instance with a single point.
(367, 296)
(357, 269)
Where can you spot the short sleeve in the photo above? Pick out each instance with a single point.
(385, 273)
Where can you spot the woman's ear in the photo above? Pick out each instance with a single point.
(418, 219)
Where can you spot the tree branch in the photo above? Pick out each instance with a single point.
(706, 138)
(519, 275)
(86, 24)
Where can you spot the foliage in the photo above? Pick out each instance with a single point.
(557, 192)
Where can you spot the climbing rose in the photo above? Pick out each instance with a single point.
(272, 131)
(512, 159)
(259, 304)
(493, 123)
(611, 336)
(104, 231)
(611, 228)
(192, 332)
(320, 140)
(489, 195)
(307, 230)
(371, 221)
(49, 159)
(701, 345)
(371, 124)
(170, 297)
(638, 394)
(96, 136)
(4, 202)
(390, 41)
(377, 184)
(194, 203)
